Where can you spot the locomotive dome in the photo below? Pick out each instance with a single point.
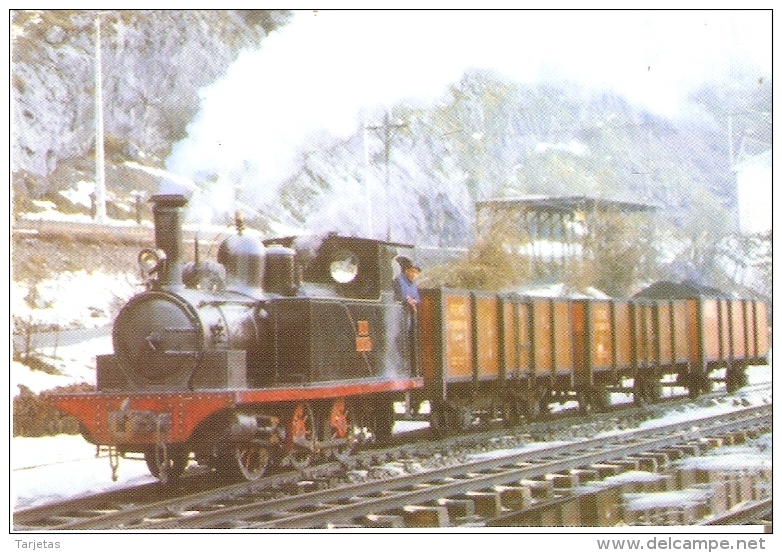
(244, 259)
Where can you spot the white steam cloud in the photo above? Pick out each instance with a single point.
(323, 70)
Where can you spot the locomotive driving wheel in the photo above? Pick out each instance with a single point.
(301, 440)
(340, 424)
(245, 460)
(166, 463)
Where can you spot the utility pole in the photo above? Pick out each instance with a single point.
(370, 230)
(100, 171)
(386, 127)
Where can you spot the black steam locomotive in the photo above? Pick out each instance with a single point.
(281, 350)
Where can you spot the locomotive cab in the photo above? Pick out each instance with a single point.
(341, 266)
(342, 323)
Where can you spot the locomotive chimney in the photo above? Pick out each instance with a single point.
(167, 211)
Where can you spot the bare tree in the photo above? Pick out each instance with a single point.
(617, 251)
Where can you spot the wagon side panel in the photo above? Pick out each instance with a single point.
(487, 336)
(457, 329)
(542, 331)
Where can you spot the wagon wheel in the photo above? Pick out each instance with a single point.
(511, 411)
(166, 463)
(735, 378)
(707, 384)
(456, 417)
(696, 384)
(647, 391)
(584, 401)
(301, 437)
(438, 421)
(246, 460)
(600, 398)
(543, 406)
(340, 424)
(639, 397)
(654, 390)
(534, 408)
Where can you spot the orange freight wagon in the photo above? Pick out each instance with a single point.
(761, 333)
(738, 330)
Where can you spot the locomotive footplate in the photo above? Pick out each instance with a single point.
(141, 419)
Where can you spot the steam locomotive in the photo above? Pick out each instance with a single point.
(292, 348)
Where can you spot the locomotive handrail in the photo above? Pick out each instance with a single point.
(215, 303)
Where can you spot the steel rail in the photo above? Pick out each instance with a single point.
(744, 513)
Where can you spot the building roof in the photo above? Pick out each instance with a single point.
(564, 204)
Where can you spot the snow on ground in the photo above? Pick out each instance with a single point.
(50, 213)
(196, 220)
(52, 306)
(75, 363)
(688, 497)
(81, 194)
(45, 470)
(77, 299)
(52, 468)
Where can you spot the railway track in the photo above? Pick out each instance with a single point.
(329, 494)
(566, 424)
(753, 512)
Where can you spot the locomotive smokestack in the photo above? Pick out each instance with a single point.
(167, 211)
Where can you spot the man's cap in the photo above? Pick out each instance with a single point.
(404, 262)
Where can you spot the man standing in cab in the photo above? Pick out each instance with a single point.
(406, 291)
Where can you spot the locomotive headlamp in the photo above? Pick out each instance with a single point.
(149, 259)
